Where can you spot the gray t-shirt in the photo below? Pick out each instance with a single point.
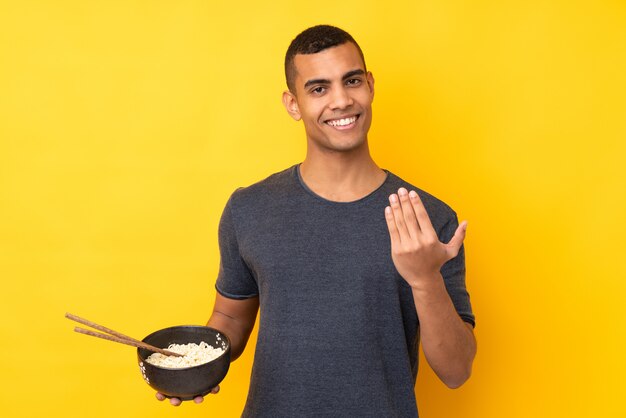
(338, 329)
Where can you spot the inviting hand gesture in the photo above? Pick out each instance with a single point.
(416, 250)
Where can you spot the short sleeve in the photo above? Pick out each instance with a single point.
(453, 273)
(234, 280)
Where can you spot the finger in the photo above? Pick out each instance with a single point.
(200, 399)
(398, 217)
(391, 226)
(454, 246)
(160, 396)
(175, 401)
(409, 214)
(420, 212)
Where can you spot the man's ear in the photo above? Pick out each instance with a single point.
(370, 82)
(291, 104)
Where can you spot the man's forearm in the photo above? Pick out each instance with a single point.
(448, 342)
(236, 319)
(234, 330)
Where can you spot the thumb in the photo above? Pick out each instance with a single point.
(455, 243)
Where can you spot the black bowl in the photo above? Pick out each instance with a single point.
(189, 382)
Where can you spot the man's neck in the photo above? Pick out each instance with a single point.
(341, 177)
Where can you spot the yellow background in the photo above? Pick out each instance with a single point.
(125, 126)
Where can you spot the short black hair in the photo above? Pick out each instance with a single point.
(311, 41)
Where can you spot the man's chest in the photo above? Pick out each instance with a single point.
(317, 251)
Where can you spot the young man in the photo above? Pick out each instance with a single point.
(347, 262)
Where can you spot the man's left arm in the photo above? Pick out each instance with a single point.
(448, 342)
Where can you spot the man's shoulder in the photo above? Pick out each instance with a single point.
(269, 188)
(434, 206)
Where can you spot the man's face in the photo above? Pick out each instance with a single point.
(333, 98)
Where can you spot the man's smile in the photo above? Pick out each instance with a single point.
(342, 123)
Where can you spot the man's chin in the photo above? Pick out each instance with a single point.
(346, 147)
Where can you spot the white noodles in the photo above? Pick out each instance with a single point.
(193, 355)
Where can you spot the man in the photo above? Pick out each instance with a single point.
(346, 261)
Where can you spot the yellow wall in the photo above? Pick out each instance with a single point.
(125, 125)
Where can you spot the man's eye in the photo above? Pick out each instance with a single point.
(353, 82)
(318, 90)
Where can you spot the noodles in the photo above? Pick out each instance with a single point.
(193, 355)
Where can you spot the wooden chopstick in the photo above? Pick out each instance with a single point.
(115, 336)
(127, 342)
(98, 327)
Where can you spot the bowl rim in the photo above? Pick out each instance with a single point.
(226, 351)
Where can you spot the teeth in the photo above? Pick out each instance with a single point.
(342, 122)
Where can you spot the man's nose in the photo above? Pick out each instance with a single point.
(340, 98)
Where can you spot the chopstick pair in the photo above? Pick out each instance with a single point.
(115, 336)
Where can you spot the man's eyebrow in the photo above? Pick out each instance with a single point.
(316, 81)
(326, 81)
(352, 74)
